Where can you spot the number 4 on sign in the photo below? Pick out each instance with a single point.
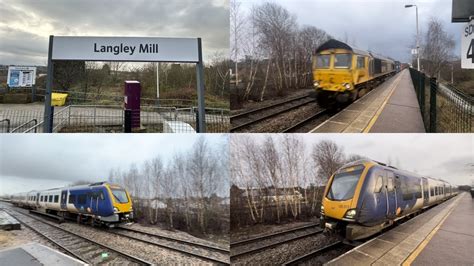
(470, 51)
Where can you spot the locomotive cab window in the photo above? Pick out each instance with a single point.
(322, 61)
(360, 62)
(342, 61)
(344, 184)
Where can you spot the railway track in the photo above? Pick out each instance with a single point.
(206, 252)
(321, 255)
(307, 121)
(258, 244)
(80, 247)
(248, 118)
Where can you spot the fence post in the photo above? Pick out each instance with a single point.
(433, 91)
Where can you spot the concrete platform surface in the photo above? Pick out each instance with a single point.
(33, 254)
(391, 107)
(400, 245)
(453, 243)
(7, 222)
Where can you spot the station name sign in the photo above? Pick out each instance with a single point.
(146, 49)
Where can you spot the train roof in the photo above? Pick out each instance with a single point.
(335, 44)
(70, 187)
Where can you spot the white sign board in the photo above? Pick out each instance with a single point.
(467, 46)
(137, 49)
(21, 76)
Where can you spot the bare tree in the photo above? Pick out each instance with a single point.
(236, 25)
(438, 47)
(327, 157)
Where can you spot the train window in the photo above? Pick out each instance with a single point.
(322, 61)
(378, 185)
(82, 199)
(417, 190)
(50, 198)
(432, 192)
(360, 62)
(406, 190)
(56, 198)
(72, 199)
(342, 61)
(120, 195)
(101, 195)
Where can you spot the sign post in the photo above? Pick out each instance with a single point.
(129, 49)
(467, 46)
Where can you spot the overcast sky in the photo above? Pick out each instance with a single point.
(25, 25)
(383, 26)
(446, 156)
(30, 162)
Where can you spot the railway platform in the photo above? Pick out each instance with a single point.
(392, 108)
(7, 222)
(442, 235)
(34, 254)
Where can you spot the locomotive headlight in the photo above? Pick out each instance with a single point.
(115, 209)
(350, 214)
(316, 83)
(322, 209)
(347, 85)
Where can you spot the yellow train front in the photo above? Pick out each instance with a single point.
(364, 197)
(342, 73)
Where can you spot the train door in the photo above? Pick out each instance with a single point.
(37, 200)
(96, 199)
(63, 199)
(392, 201)
(426, 191)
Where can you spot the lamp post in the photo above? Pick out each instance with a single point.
(417, 37)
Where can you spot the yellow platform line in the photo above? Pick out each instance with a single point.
(379, 111)
(408, 261)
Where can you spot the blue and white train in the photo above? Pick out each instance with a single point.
(98, 203)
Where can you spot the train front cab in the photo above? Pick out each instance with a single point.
(106, 204)
(341, 75)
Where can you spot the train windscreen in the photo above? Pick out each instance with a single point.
(342, 61)
(322, 61)
(120, 195)
(344, 184)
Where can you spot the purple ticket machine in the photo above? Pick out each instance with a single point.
(132, 93)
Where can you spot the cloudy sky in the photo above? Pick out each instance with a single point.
(383, 26)
(446, 156)
(25, 25)
(29, 162)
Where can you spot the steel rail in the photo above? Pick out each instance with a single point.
(314, 253)
(259, 238)
(270, 115)
(303, 122)
(271, 245)
(268, 107)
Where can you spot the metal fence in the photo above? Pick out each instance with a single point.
(443, 107)
(110, 119)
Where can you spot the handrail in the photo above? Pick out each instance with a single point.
(8, 123)
(34, 127)
(26, 123)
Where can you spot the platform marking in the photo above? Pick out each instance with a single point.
(408, 261)
(379, 111)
